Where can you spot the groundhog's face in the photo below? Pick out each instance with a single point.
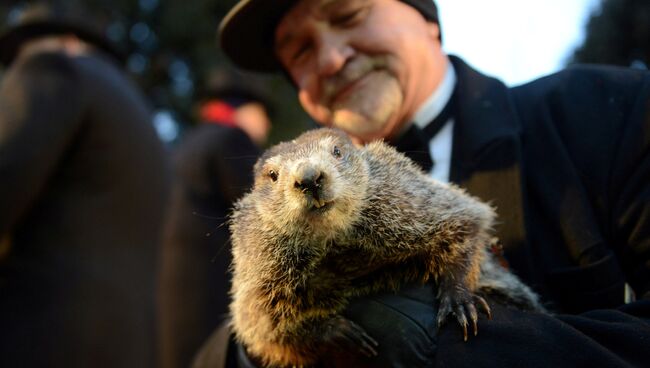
(317, 181)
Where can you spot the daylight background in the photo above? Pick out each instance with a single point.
(173, 54)
(515, 40)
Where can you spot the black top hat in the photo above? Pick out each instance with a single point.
(247, 32)
(42, 19)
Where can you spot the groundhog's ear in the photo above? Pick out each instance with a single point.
(340, 134)
(278, 149)
(258, 165)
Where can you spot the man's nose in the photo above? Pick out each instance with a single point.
(333, 52)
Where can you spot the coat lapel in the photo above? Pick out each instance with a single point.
(486, 156)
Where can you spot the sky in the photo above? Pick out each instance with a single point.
(514, 40)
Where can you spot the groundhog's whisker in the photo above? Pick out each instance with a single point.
(194, 213)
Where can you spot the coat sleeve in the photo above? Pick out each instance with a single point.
(404, 324)
(40, 111)
(514, 338)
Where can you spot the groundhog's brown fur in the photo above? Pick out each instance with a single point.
(327, 221)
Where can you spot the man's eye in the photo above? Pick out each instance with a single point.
(344, 19)
(348, 18)
(300, 52)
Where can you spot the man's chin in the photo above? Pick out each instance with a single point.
(369, 111)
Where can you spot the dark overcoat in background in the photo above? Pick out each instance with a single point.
(83, 185)
(213, 167)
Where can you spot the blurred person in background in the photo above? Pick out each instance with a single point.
(564, 159)
(213, 167)
(84, 183)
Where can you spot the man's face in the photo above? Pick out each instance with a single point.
(252, 119)
(364, 66)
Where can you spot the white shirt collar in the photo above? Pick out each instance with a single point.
(438, 99)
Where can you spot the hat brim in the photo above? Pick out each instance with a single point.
(12, 40)
(246, 33)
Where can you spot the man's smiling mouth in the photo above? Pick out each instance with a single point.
(347, 89)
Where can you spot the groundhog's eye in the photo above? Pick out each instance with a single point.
(336, 152)
(273, 175)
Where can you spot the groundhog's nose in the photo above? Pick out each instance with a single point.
(309, 181)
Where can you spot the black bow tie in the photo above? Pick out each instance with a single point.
(414, 142)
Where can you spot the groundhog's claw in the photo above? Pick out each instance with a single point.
(473, 315)
(462, 305)
(346, 334)
(462, 319)
(485, 306)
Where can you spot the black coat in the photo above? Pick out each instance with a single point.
(83, 185)
(566, 161)
(213, 167)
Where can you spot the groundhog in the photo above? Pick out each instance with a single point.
(327, 221)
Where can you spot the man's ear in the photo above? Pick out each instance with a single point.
(434, 30)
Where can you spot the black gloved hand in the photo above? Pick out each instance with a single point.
(404, 324)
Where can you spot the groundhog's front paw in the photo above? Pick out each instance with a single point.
(341, 333)
(461, 303)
